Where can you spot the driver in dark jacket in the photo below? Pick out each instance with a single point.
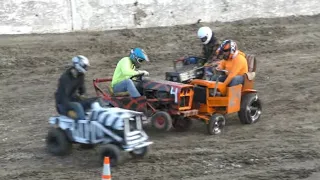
(69, 96)
(125, 69)
(210, 43)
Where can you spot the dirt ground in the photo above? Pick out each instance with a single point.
(284, 144)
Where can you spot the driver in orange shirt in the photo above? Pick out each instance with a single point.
(234, 62)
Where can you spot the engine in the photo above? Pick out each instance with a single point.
(168, 95)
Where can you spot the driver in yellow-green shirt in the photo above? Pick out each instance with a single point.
(125, 69)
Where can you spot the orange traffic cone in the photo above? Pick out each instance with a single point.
(106, 174)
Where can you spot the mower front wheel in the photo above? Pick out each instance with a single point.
(216, 124)
(161, 121)
(113, 152)
(139, 153)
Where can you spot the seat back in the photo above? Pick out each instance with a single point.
(251, 74)
(252, 62)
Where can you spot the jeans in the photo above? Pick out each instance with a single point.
(79, 107)
(126, 85)
(73, 106)
(235, 81)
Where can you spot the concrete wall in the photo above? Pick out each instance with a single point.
(56, 16)
(38, 16)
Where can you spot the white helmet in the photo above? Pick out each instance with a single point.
(81, 63)
(205, 34)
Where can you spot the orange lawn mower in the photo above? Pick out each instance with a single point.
(213, 106)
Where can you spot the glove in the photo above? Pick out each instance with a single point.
(82, 97)
(146, 73)
(207, 64)
(223, 89)
(72, 114)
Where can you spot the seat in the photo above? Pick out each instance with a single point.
(119, 94)
(252, 64)
(251, 74)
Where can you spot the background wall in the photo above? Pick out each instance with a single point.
(57, 16)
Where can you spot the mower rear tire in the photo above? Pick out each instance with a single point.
(250, 109)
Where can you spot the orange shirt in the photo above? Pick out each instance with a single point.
(236, 66)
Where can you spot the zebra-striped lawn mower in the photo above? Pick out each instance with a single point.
(116, 128)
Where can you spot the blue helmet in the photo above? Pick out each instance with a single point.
(137, 56)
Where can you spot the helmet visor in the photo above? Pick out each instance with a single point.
(226, 50)
(204, 39)
(85, 67)
(139, 60)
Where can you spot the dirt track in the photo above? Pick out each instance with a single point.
(284, 144)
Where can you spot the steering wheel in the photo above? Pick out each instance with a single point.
(138, 76)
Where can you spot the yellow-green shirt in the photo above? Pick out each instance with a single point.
(124, 70)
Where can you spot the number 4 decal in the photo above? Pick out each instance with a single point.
(174, 91)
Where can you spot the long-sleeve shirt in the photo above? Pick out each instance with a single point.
(68, 86)
(124, 70)
(209, 50)
(236, 66)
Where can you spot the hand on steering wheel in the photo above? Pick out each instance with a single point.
(221, 70)
(146, 73)
(139, 75)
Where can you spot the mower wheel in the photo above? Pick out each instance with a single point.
(112, 151)
(250, 109)
(182, 123)
(139, 153)
(216, 123)
(57, 142)
(161, 121)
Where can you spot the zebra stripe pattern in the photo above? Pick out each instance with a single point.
(111, 117)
